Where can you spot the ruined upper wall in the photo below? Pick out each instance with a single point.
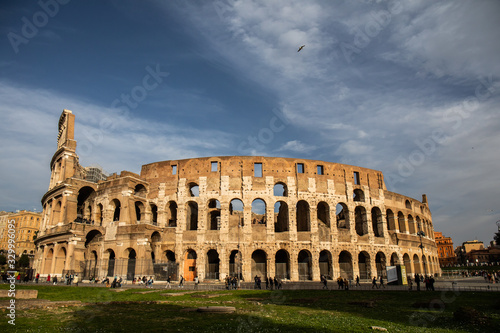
(281, 169)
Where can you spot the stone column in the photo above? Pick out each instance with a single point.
(315, 266)
(69, 255)
(294, 266)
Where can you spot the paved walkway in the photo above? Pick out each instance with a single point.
(458, 284)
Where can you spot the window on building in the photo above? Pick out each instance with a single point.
(356, 178)
(174, 169)
(257, 169)
(214, 166)
(320, 170)
(300, 167)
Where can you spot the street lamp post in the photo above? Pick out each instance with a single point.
(421, 246)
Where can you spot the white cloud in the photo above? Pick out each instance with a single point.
(297, 146)
(451, 38)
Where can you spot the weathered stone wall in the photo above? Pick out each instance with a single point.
(181, 217)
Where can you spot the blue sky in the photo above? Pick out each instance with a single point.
(411, 88)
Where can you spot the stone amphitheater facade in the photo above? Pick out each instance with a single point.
(235, 215)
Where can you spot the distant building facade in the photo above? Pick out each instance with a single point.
(446, 253)
(234, 215)
(27, 225)
(469, 246)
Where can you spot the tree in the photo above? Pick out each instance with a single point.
(497, 238)
(24, 261)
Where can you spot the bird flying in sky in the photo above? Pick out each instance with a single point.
(300, 48)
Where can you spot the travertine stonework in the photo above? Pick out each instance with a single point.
(291, 218)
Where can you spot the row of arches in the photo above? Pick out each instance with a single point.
(281, 216)
(299, 266)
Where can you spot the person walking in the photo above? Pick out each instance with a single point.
(75, 280)
(357, 281)
(374, 282)
(196, 282)
(181, 282)
(37, 277)
(382, 282)
(168, 283)
(417, 281)
(324, 281)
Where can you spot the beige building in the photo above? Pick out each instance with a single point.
(236, 215)
(472, 245)
(26, 226)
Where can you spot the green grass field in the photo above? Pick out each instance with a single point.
(132, 310)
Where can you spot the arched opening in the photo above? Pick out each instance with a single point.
(84, 204)
(259, 263)
(190, 265)
(92, 266)
(377, 223)
(280, 216)
(407, 263)
(280, 190)
(325, 264)
(381, 263)
(364, 265)
(358, 195)
(172, 265)
(111, 263)
(323, 214)
(282, 265)
(139, 211)
(391, 223)
(93, 237)
(345, 265)
(214, 214)
(212, 269)
(303, 216)
(235, 263)
(394, 259)
(419, 224)
(132, 256)
(194, 190)
(360, 220)
(401, 222)
(60, 261)
(259, 212)
(155, 238)
(140, 191)
(411, 225)
(172, 214)
(305, 265)
(48, 262)
(408, 204)
(342, 213)
(192, 215)
(416, 264)
(235, 214)
(154, 214)
(115, 203)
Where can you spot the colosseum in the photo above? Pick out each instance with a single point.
(241, 216)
